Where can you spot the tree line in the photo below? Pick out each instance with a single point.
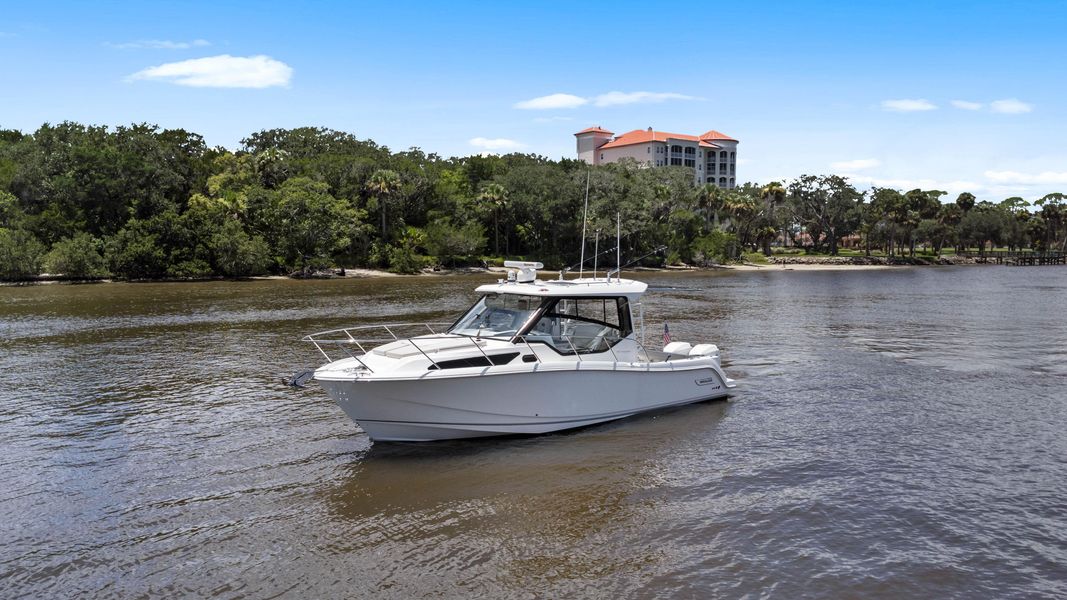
(141, 202)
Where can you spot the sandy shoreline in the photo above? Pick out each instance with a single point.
(363, 273)
(811, 267)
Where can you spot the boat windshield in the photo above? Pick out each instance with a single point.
(497, 315)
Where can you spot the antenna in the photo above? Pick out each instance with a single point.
(585, 217)
(596, 250)
(618, 248)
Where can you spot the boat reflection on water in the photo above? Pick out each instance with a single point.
(516, 507)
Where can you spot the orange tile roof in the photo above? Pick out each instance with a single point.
(596, 129)
(704, 144)
(716, 135)
(642, 136)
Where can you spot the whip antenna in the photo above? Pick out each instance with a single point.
(596, 250)
(618, 246)
(585, 217)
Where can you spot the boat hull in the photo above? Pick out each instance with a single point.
(439, 407)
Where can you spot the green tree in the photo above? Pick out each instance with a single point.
(447, 241)
(984, 224)
(383, 186)
(1054, 214)
(310, 224)
(773, 195)
(827, 205)
(965, 201)
(494, 198)
(709, 203)
(135, 252)
(78, 256)
(236, 253)
(20, 254)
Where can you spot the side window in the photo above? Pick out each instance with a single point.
(583, 325)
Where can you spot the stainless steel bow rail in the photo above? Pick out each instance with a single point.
(346, 338)
(353, 341)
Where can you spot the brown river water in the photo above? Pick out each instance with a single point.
(896, 434)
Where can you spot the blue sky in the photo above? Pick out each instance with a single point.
(953, 95)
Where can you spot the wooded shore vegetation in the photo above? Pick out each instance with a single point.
(141, 202)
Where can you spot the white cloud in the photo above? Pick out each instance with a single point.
(619, 98)
(555, 101)
(1045, 177)
(908, 105)
(965, 105)
(223, 71)
(952, 187)
(496, 143)
(855, 165)
(1010, 106)
(552, 101)
(552, 119)
(159, 45)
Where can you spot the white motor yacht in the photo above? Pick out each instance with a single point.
(529, 357)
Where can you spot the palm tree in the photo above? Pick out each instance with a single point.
(709, 201)
(495, 197)
(949, 217)
(1052, 211)
(773, 195)
(965, 201)
(743, 209)
(383, 184)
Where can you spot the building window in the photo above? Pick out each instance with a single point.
(690, 151)
(731, 182)
(722, 182)
(690, 163)
(675, 161)
(711, 180)
(648, 150)
(676, 149)
(601, 156)
(733, 156)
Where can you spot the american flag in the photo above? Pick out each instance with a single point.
(666, 335)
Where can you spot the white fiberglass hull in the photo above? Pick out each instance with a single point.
(502, 401)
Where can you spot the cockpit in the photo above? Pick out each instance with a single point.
(568, 325)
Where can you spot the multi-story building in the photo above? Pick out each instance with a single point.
(712, 155)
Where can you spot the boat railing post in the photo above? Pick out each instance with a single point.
(614, 356)
(412, 342)
(356, 357)
(570, 342)
(530, 348)
(321, 351)
(355, 341)
(475, 342)
(390, 332)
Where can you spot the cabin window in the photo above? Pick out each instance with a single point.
(475, 361)
(582, 325)
(497, 315)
